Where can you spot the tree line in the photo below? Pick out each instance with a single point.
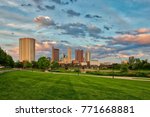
(5, 59)
(133, 64)
(43, 63)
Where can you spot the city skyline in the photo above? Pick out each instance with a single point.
(111, 30)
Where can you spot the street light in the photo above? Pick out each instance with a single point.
(78, 69)
(113, 75)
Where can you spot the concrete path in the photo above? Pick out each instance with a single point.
(98, 76)
(3, 71)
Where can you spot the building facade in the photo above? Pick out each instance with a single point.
(79, 55)
(87, 56)
(69, 55)
(55, 54)
(26, 49)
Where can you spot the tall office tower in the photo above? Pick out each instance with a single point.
(69, 55)
(79, 55)
(55, 54)
(26, 49)
(87, 56)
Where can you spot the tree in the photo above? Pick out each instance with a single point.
(34, 64)
(18, 64)
(124, 68)
(5, 59)
(54, 65)
(43, 63)
(9, 61)
(27, 64)
(131, 62)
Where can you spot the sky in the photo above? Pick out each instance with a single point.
(112, 30)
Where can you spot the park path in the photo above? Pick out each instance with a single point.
(110, 77)
(4, 71)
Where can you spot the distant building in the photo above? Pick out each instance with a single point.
(64, 59)
(26, 49)
(107, 63)
(94, 63)
(124, 62)
(83, 63)
(79, 55)
(87, 56)
(55, 54)
(75, 62)
(69, 55)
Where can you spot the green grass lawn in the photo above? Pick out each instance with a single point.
(26, 85)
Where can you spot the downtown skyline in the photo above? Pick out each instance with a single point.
(109, 29)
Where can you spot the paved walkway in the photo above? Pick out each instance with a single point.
(115, 77)
(98, 76)
(3, 71)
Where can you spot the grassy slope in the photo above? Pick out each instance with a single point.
(32, 85)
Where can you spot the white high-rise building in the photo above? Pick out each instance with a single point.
(88, 56)
(26, 49)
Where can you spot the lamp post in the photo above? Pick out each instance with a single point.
(78, 69)
(113, 76)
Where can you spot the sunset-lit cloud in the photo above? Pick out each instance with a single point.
(142, 39)
(143, 30)
(44, 46)
(43, 21)
(138, 55)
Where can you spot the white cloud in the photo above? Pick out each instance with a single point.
(43, 21)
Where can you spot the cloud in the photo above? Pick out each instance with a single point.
(65, 42)
(74, 29)
(37, 1)
(107, 27)
(73, 0)
(60, 2)
(44, 21)
(50, 7)
(10, 3)
(94, 31)
(80, 30)
(141, 39)
(104, 37)
(26, 5)
(10, 34)
(143, 30)
(44, 45)
(92, 16)
(72, 13)
(124, 32)
(123, 55)
(14, 52)
(134, 32)
(40, 8)
(9, 45)
(14, 16)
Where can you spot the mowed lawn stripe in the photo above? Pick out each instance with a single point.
(100, 90)
(130, 89)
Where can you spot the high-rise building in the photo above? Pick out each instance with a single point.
(87, 56)
(55, 54)
(69, 55)
(79, 55)
(26, 49)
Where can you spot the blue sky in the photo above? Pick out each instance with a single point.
(112, 29)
